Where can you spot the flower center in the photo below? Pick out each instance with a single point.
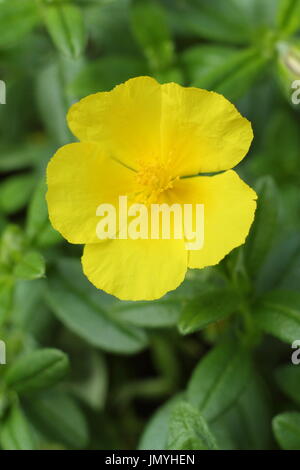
(152, 181)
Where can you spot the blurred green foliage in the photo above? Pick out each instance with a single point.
(209, 365)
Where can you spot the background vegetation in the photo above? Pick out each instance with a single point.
(209, 365)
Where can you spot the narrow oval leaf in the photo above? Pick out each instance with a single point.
(219, 379)
(288, 380)
(208, 307)
(65, 25)
(81, 307)
(37, 370)
(59, 417)
(264, 227)
(278, 313)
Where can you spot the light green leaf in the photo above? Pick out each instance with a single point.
(208, 307)
(105, 73)
(15, 192)
(286, 428)
(188, 430)
(288, 16)
(64, 22)
(233, 21)
(278, 313)
(151, 30)
(15, 432)
(37, 370)
(58, 416)
(219, 379)
(226, 70)
(85, 310)
(38, 228)
(22, 15)
(31, 265)
(52, 103)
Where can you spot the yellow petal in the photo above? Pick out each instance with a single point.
(202, 131)
(80, 178)
(125, 120)
(135, 269)
(229, 207)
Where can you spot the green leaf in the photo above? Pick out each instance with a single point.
(263, 230)
(58, 416)
(155, 435)
(226, 70)
(64, 22)
(188, 430)
(151, 31)
(37, 370)
(15, 191)
(288, 16)
(233, 21)
(247, 424)
(155, 314)
(52, 103)
(286, 428)
(208, 307)
(278, 313)
(288, 380)
(31, 265)
(22, 14)
(15, 432)
(85, 311)
(105, 73)
(38, 228)
(219, 379)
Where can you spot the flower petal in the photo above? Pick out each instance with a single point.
(136, 269)
(229, 207)
(125, 120)
(79, 178)
(202, 131)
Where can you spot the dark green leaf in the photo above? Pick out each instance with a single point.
(58, 416)
(264, 227)
(37, 370)
(288, 380)
(219, 379)
(155, 434)
(81, 307)
(208, 307)
(278, 313)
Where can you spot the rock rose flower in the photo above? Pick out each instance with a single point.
(158, 143)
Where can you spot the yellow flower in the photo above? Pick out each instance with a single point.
(140, 140)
